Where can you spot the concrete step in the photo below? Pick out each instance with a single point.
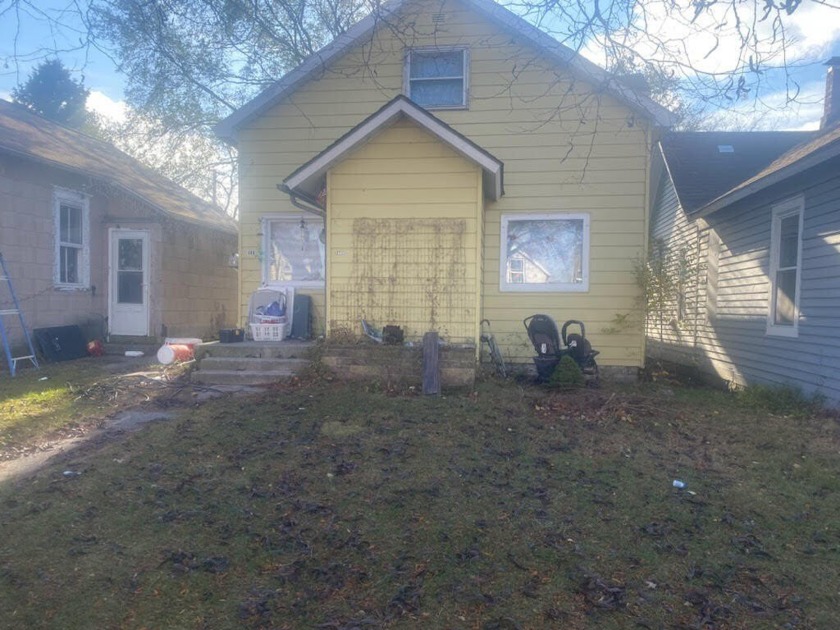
(256, 349)
(226, 377)
(120, 348)
(250, 364)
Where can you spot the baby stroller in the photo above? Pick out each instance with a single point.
(551, 346)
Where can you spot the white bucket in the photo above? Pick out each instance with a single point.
(170, 353)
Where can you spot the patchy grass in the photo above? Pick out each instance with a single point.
(335, 507)
(779, 400)
(65, 399)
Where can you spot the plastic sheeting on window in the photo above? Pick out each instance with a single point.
(549, 251)
(437, 78)
(296, 250)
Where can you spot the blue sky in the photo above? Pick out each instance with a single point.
(25, 41)
(814, 31)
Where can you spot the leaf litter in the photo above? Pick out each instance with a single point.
(507, 508)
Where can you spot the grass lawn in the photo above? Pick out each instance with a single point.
(332, 506)
(68, 399)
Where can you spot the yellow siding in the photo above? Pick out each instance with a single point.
(402, 247)
(565, 145)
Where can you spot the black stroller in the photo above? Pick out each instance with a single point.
(552, 345)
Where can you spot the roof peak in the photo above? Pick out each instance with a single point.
(504, 18)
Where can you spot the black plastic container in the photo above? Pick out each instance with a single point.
(231, 335)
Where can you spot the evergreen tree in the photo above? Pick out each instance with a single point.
(51, 92)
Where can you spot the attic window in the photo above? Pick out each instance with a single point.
(726, 148)
(438, 18)
(437, 78)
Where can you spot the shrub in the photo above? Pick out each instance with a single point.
(566, 375)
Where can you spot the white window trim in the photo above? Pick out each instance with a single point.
(788, 208)
(63, 196)
(264, 248)
(465, 97)
(555, 287)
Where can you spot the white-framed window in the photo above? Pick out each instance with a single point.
(437, 78)
(544, 252)
(294, 251)
(72, 239)
(785, 267)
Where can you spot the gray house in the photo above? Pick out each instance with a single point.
(92, 237)
(750, 222)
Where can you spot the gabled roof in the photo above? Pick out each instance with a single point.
(705, 165)
(28, 135)
(306, 179)
(362, 30)
(813, 152)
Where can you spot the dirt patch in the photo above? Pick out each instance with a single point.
(110, 398)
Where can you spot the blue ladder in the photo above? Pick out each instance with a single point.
(4, 277)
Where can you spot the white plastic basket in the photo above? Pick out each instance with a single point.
(269, 332)
(270, 319)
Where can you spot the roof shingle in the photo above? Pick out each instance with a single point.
(706, 165)
(29, 135)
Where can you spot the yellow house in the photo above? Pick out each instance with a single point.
(445, 162)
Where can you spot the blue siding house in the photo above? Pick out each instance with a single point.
(751, 223)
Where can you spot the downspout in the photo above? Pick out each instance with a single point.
(307, 204)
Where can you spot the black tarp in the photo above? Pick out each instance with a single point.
(61, 343)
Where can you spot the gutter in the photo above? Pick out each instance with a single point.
(303, 202)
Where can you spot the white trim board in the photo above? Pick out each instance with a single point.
(399, 107)
(794, 206)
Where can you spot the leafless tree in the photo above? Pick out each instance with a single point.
(189, 63)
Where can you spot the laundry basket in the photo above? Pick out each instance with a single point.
(269, 327)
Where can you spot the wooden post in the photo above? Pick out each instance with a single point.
(431, 364)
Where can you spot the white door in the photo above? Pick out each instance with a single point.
(128, 303)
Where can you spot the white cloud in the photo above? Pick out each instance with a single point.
(706, 52)
(774, 111)
(6, 96)
(100, 103)
(713, 42)
(814, 28)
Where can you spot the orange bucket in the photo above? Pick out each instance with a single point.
(170, 353)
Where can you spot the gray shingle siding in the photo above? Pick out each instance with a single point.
(733, 342)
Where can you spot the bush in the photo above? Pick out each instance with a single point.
(566, 375)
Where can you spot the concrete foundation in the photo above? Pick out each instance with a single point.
(399, 365)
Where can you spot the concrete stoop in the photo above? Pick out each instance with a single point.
(249, 362)
(119, 345)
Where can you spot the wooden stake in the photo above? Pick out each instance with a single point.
(431, 364)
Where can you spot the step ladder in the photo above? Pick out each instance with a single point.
(4, 313)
